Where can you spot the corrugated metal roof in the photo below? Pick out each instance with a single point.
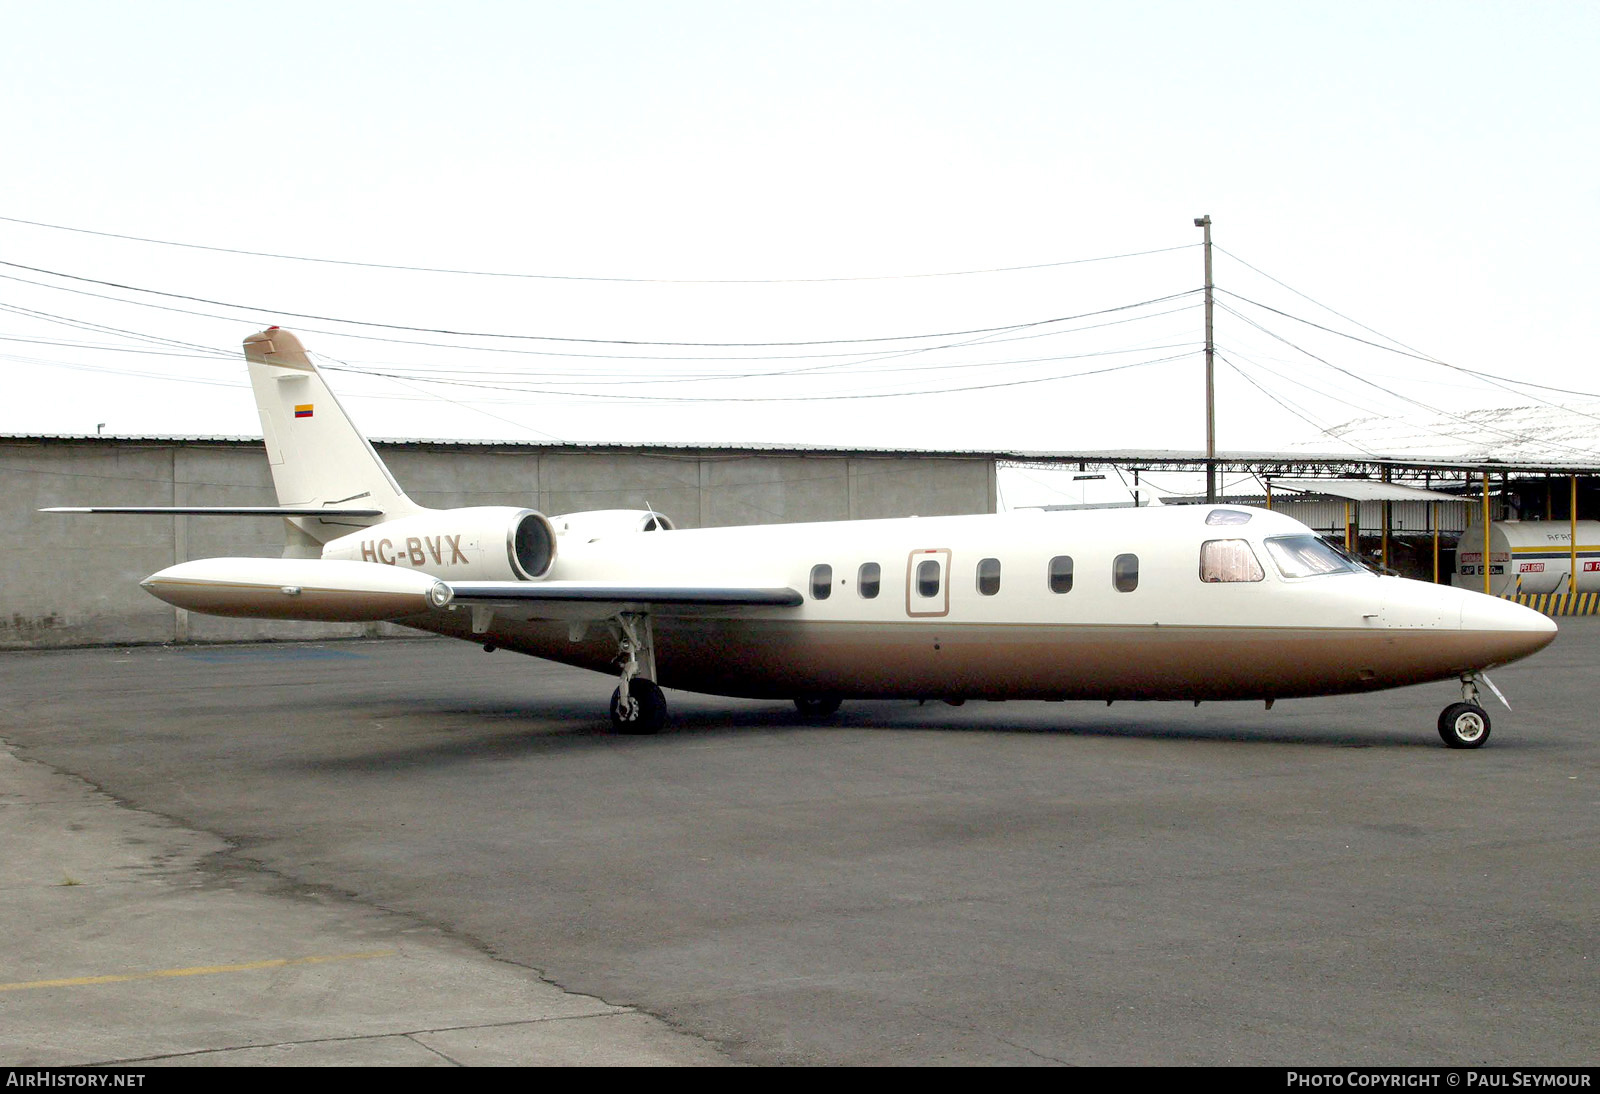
(1360, 490)
(1515, 435)
(1495, 459)
(445, 442)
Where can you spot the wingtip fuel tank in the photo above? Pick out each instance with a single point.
(316, 590)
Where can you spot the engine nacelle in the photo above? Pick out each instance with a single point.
(598, 523)
(479, 543)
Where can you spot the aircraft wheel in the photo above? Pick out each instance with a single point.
(817, 707)
(645, 711)
(1464, 725)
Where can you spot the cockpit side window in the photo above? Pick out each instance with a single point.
(1307, 556)
(1229, 560)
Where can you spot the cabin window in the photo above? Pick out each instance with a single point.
(1125, 573)
(928, 579)
(1229, 560)
(1061, 574)
(1306, 556)
(1227, 516)
(989, 576)
(868, 580)
(821, 581)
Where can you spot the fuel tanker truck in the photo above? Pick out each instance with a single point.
(1529, 556)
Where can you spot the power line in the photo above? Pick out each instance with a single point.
(440, 373)
(485, 413)
(83, 324)
(533, 388)
(843, 396)
(860, 356)
(1501, 382)
(530, 389)
(1304, 416)
(521, 351)
(102, 347)
(537, 337)
(1366, 410)
(1298, 382)
(1326, 431)
(1407, 351)
(1395, 394)
(575, 277)
(1323, 306)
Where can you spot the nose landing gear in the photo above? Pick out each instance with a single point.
(1466, 724)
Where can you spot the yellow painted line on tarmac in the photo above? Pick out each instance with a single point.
(197, 970)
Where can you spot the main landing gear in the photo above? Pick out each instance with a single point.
(637, 706)
(816, 707)
(641, 711)
(1466, 724)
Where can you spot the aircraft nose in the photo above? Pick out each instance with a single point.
(1513, 630)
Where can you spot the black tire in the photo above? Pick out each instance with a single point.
(646, 711)
(812, 707)
(1464, 725)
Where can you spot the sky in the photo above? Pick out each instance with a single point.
(775, 184)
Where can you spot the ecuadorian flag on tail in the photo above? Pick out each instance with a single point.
(303, 410)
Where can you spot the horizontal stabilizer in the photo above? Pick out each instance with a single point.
(214, 510)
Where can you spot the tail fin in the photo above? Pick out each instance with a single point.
(317, 455)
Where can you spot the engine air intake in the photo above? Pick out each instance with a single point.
(533, 545)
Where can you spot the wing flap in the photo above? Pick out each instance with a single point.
(595, 599)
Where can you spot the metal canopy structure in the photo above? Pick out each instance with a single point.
(1258, 463)
(1361, 490)
(1298, 464)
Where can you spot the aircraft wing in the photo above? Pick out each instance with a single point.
(594, 599)
(214, 510)
(342, 591)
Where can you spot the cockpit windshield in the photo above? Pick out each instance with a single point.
(1307, 556)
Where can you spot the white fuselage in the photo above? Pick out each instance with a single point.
(1165, 634)
(1184, 602)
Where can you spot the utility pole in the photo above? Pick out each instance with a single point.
(1211, 376)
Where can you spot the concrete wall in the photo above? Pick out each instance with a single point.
(74, 580)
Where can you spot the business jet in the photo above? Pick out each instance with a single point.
(1194, 602)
